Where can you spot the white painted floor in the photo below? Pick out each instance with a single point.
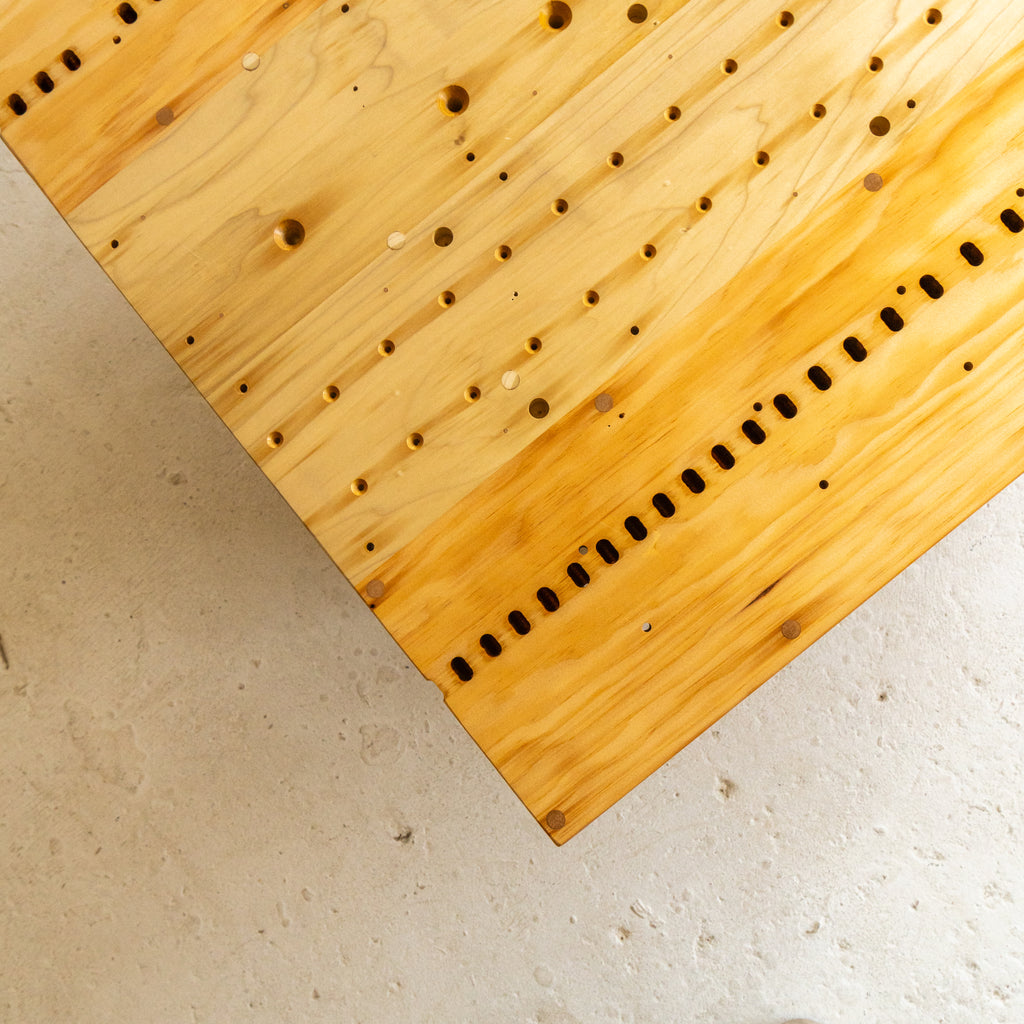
(226, 796)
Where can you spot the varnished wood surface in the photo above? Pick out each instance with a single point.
(504, 330)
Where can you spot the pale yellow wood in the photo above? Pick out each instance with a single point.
(467, 343)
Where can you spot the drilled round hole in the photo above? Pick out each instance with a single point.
(637, 14)
(289, 235)
(968, 366)
(704, 204)
(823, 484)
(761, 159)
(616, 160)
(911, 104)
(114, 244)
(414, 442)
(502, 253)
(386, 347)
(876, 64)
(453, 100)
(370, 546)
(932, 16)
(190, 340)
(251, 61)
(533, 344)
(503, 176)
(556, 16)
(879, 126)
(276, 439)
(901, 289)
(785, 19)
(470, 157)
(116, 40)
(559, 206)
(360, 486)
(591, 299)
(634, 330)
(472, 393)
(443, 237)
(446, 299)
(673, 114)
(332, 393)
(818, 111)
(729, 66)
(243, 388)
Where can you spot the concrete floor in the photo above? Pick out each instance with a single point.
(225, 795)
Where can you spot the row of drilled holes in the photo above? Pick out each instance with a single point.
(70, 59)
(724, 458)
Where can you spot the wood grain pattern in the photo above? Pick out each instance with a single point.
(483, 287)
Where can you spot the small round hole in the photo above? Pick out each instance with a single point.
(818, 111)
(673, 114)
(634, 330)
(276, 439)
(414, 442)
(559, 206)
(539, 408)
(879, 126)
(616, 160)
(761, 159)
(472, 393)
(370, 546)
(386, 347)
(911, 104)
(591, 299)
(901, 289)
(637, 14)
(968, 366)
(503, 176)
(823, 484)
(332, 393)
(117, 40)
(453, 100)
(1020, 193)
(534, 345)
(876, 64)
(289, 235)
(443, 237)
(556, 16)
(704, 204)
(502, 253)
(243, 388)
(785, 19)
(758, 407)
(190, 340)
(344, 8)
(933, 16)
(446, 299)
(470, 157)
(360, 486)
(729, 66)
(114, 244)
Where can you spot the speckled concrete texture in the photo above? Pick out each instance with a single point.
(225, 794)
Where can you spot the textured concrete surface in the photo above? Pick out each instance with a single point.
(225, 795)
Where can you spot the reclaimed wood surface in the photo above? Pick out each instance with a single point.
(613, 351)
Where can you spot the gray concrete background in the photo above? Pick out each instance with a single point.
(225, 794)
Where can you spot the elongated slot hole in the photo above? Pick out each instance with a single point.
(127, 14)
(71, 60)
(519, 622)
(490, 644)
(1012, 219)
(548, 599)
(578, 574)
(855, 350)
(635, 528)
(607, 550)
(819, 378)
(723, 456)
(664, 505)
(972, 254)
(891, 319)
(753, 432)
(785, 406)
(44, 82)
(461, 668)
(932, 287)
(693, 480)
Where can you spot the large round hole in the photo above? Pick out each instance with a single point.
(556, 16)
(453, 100)
(443, 237)
(289, 234)
(539, 408)
(637, 14)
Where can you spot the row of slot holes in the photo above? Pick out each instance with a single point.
(44, 83)
(724, 458)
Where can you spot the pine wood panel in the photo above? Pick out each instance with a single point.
(477, 283)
